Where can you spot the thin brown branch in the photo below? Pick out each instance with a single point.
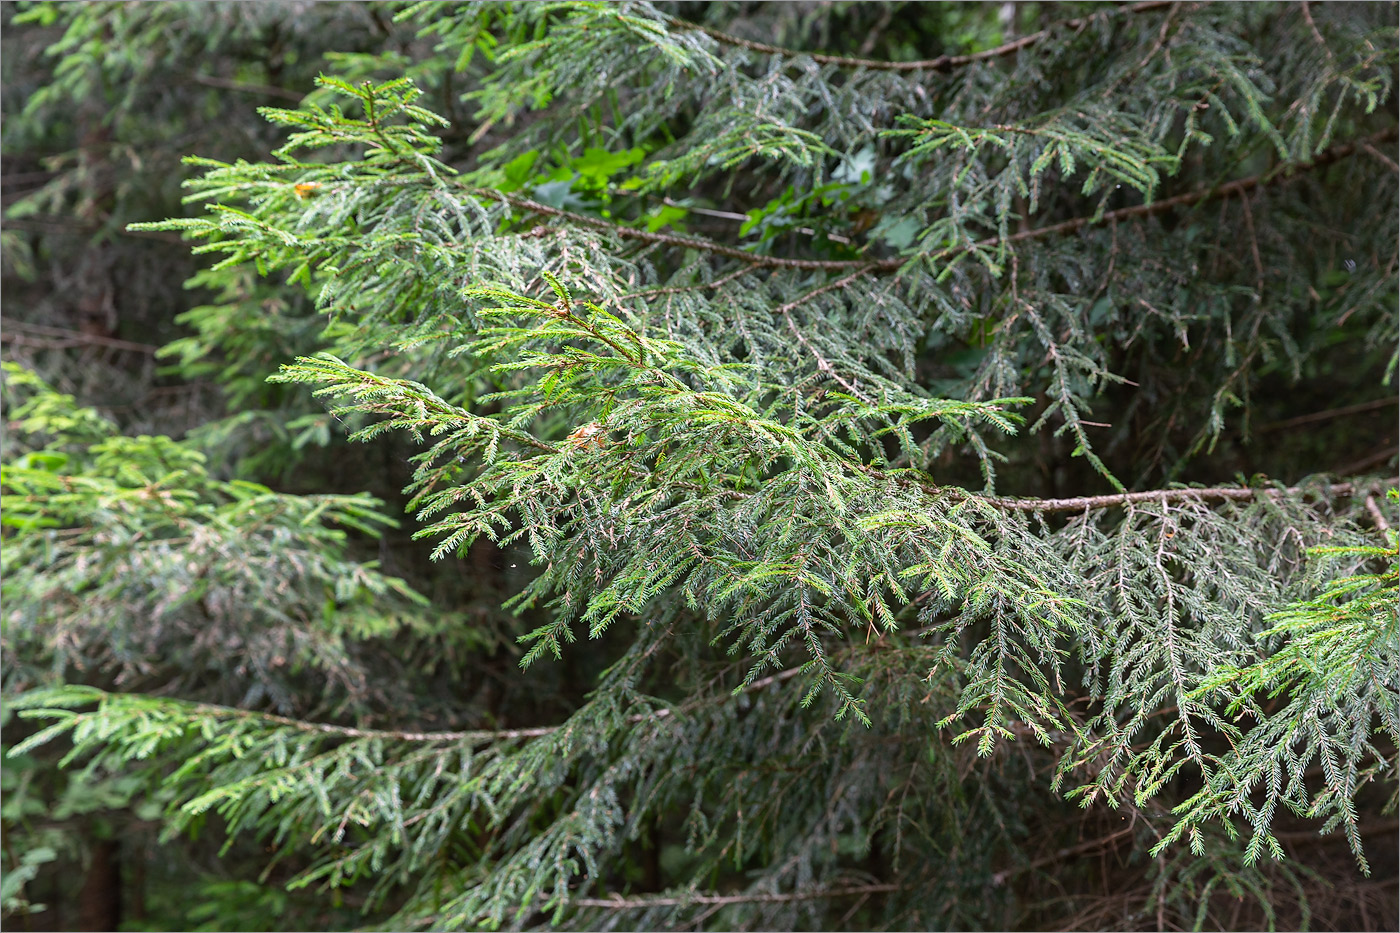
(679, 289)
(1160, 44)
(72, 229)
(1377, 828)
(1365, 463)
(1317, 35)
(823, 363)
(1328, 415)
(1000, 877)
(349, 732)
(245, 87)
(24, 178)
(705, 211)
(641, 903)
(1254, 249)
(872, 38)
(1386, 160)
(773, 679)
(470, 735)
(1216, 494)
(62, 338)
(941, 63)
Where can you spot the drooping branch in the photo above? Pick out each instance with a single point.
(941, 63)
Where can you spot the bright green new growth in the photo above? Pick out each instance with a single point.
(728, 461)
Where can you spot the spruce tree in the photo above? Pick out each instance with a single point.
(866, 488)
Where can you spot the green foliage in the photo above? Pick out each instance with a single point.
(113, 542)
(736, 390)
(1337, 666)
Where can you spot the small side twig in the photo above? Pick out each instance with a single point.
(1317, 34)
(823, 363)
(1254, 249)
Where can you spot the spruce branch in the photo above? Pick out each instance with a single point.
(1284, 172)
(941, 63)
(714, 465)
(1281, 173)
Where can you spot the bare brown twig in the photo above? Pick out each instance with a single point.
(1365, 463)
(1061, 854)
(469, 735)
(245, 87)
(638, 903)
(1317, 35)
(1385, 160)
(1376, 515)
(60, 338)
(823, 363)
(1216, 494)
(1328, 415)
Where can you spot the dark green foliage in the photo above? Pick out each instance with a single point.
(768, 416)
